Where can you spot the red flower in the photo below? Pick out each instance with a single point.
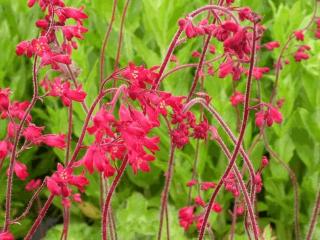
(58, 183)
(54, 140)
(207, 185)
(299, 56)
(95, 158)
(21, 170)
(199, 201)
(6, 236)
(299, 35)
(33, 185)
(200, 131)
(259, 71)
(3, 149)
(76, 31)
(192, 183)
(57, 88)
(186, 217)
(236, 98)
(4, 99)
(76, 14)
(272, 45)
(32, 133)
(216, 207)
(264, 161)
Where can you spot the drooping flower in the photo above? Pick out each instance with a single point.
(33, 133)
(216, 207)
(299, 35)
(272, 45)
(6, 236)
(207, 185)
(21, 170)
(60, 181)
(3, 149)
(236, 98)
(186, 217)
(54, 140)
(33, 185)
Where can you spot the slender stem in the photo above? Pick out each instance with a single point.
(33, 198)
(39, 218)
(84, 128)
(213, 7)
(294, 182)
(227, 130)
(107, 202)
(278, 64)
(165, 192)
(199, 67)
(15, 145)
(234, 221)
(314, 217)
(116, 63)
(167, 223)
(105, 42)
(194, 169)
(167, 58)
(69, 137)
(238, 145)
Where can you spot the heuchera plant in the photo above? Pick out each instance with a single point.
(122, 128)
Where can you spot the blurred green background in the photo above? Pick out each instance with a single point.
(149, 27)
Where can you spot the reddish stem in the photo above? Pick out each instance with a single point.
(107, 202)
(238, 145)
(167, 57)
(314, 217)
(69, 137)
(165, 192)
(199, 67)
(116, 63)
(39, 218)
(105, 42)
(15, 145)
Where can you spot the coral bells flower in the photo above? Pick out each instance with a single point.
(199, 201)
(236, 98)
(301, 53)
(95, 158)
(3, 149)
(207, 185)
(264, 161)
(192, 183)
(76, 14)
(54, 140)
(299, 35)
(32, 133)
(33, 185)
(4, 99)
(59, 183)
(216, 208)
(200, 131)
(258, 72)
(21, 170)
(272, 45)
(57, 88)
(6, 236)
(186, 217)
(134, 127)
(269, 117)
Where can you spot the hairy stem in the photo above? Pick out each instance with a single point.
(165, 192)
(39, 218)
(15, 145)
(105, 42)
(107, 202)
(238, 145)
(314, 217)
